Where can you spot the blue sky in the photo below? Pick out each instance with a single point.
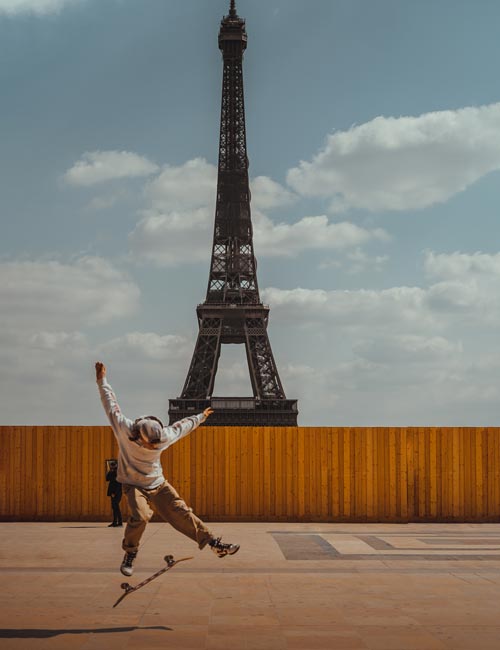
(374, 141)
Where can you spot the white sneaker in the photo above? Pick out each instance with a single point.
(221, 550)
(126, 566)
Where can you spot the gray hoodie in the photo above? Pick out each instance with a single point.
(138, 465)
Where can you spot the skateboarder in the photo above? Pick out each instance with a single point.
(140, 444)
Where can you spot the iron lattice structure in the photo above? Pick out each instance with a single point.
(233, 312)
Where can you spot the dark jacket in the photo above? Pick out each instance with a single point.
(114, 488)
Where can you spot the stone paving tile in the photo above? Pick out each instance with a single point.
(310, 616)
(112, 641)
(472, 578)
(57, 598)
(399, 638)
(387, 616)
(183, 636)
(222, 637)
(473, 637)
(221, 640)
(479, 613)
(324, 637)
(63, 642)
(246, 619)
(265, 643)
(26, 644)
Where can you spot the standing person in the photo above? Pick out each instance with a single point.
(140, 444)
(115, 492)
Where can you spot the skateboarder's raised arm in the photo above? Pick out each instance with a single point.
(182, 428)
(121, 425)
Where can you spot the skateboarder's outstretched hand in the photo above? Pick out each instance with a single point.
(100, 371)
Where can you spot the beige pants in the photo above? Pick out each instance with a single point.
(168, 504)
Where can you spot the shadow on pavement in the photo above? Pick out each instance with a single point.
(48, 634)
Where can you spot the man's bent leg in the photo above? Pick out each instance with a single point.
(173, 509)
(117, 515)
(140, 514)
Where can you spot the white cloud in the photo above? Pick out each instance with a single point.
(102, 202)
(149, 346)
(310, 233)
(173, 239)
(146, 369)
(442, 389)
(465, 291)
(177, 226)
(383, 378)
(40, 7)
(51, 380)
(399, 356)
(403, 163)
(386, 358)
(356, 261)
(105, 202)
(232, 379)
(55, 318)
(194, 185)
(268, 194)
(406, 348)
(101, 166)
(352, 309)
(185, 237)
(58, 296)
(57, 340)
(461, 265)
(185, 187)
(467, 286)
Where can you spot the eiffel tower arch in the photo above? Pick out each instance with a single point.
(233, 312)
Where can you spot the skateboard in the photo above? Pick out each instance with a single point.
(171, 562)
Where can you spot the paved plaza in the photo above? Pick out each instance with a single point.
(304, 586)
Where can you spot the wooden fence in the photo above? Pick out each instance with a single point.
(266, 474)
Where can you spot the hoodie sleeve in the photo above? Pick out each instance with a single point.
(182, 428)
(120, 424)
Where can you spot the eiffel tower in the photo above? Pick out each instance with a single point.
(233, 312)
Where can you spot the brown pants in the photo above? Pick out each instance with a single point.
(168, 504)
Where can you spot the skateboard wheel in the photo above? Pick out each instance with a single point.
(125, 585)
(169, 559)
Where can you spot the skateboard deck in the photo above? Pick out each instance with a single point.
(171, 562)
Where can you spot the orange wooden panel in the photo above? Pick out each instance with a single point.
(370, 496)
(461, 473)
(255, 470)
(309, 474)
(403, 474)
(323, 512)
(393, 514)
(494, 474)
(346, 472)
(336, 482)
(267, 483)
(300, 478)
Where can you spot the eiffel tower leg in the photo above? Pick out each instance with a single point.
(201, 376)
(263, 371)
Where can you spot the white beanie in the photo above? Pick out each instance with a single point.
(151, 430)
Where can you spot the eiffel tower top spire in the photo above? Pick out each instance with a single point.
(232, 29)
(233, 277)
